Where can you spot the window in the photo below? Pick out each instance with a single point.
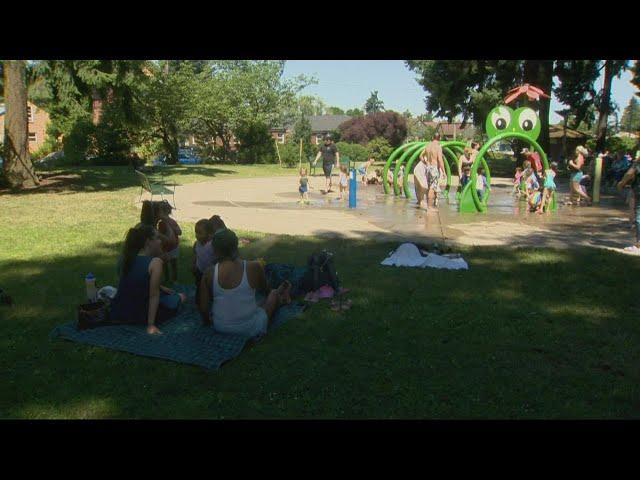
(33, 137)
(318, 139)
(30, 114)
(281, 138)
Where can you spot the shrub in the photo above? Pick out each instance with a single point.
(379, 149)
(49, 146)
(290, 154)
(256, 144)
(390, 125)
(355, 152)
(77, 144)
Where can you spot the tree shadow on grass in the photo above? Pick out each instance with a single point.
(108, 179)
(525, 333)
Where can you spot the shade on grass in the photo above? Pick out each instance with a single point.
(522, 334)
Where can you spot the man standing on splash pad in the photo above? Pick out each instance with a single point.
(330, 156)
(429, 171)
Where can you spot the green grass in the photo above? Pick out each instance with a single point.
(522, 334)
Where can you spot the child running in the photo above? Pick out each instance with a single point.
(169, 227)
(549, 187)
(202, 252)
(343, 180)
(304, 186)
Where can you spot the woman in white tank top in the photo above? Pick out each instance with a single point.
(228, 291)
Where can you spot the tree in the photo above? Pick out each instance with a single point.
(631, 117)
(470, 88)
(17, 167)
(611, 68)
(576, 89)
(302, 131)
(636, 76)
(355, 112)
(232, 94)
(390, 125)
(168, 104)
(76, 90)
(373, 103)
(379, 148)
(335, 111)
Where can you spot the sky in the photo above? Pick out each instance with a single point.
(348, 84)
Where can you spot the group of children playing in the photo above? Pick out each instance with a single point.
(481, 181)
(157, 215)
(527, 184)
(343, 180)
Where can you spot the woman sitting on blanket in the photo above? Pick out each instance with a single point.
(140, 298)
(228, 291)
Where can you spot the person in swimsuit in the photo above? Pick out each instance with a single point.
(549, 187)
(304, 187)
(433, 158)
(576, 166)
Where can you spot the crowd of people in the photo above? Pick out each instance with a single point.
(226, 285)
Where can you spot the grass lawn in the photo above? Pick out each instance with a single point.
(523, 334)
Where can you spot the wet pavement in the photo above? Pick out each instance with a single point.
(271, 205)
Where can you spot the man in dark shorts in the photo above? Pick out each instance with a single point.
(330, 157)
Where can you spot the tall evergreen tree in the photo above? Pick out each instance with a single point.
(630, 121)
(373, 103)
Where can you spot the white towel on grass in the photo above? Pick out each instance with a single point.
(408, 255)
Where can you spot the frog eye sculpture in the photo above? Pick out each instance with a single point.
(503, 119)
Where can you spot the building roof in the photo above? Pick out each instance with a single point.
(448, 129)
(557, 131)
(321, 123)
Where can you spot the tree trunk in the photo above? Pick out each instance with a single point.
(18, 169)
(601, 128)
(170, 144)
(96, 106)
(540, 74)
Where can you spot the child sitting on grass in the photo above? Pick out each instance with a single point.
(202, 251)
(304, 186)
(344, 182)
(481, 183)
(170, 228)
(549, 187)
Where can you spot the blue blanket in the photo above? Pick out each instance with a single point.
(184, 338)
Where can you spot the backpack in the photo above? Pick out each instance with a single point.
(320, 271)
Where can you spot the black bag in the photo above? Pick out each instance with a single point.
(93, 315)
(4, 298)
(321, 271)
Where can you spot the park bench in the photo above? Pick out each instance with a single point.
(155, 187)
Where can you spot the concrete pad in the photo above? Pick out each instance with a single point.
(270, 205)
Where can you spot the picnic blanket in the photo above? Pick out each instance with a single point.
(409, 255)
(184, 338)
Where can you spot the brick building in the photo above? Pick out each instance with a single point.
(38, 121)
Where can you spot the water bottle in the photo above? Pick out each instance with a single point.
(92, 291)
